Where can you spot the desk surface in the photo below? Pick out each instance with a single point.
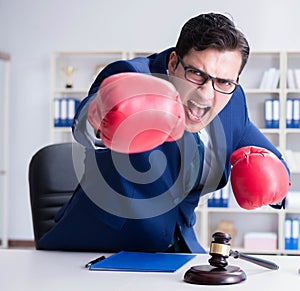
(48, 270)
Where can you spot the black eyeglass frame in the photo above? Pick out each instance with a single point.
(206, 77)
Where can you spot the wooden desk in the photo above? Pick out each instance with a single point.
(62, 271)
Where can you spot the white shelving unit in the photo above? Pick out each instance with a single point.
(86, 66)
(4, 97)
(73, 72)
(265, 220)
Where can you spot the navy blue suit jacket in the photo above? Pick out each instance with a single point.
(134, 202)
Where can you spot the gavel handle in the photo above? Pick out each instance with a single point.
(257, 261)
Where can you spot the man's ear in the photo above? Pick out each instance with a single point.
(172, 64)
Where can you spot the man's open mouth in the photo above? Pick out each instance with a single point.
(195, 110)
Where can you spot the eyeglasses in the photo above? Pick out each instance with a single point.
(199, 77)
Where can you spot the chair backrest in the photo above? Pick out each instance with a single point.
(52, 180)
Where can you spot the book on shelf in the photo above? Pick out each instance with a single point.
(260, 241)
(290, 79)
(270, 79)
(64, 111)
(293, 79)
(289, 113)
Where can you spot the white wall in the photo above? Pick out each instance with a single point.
(30, 30)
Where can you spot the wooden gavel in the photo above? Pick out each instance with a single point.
(220, 251)
(218, 273)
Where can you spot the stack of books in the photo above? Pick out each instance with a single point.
(270, 79)
(64, 111)
(293, 78)
(260, 241)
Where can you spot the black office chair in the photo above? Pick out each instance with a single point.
(52, 180)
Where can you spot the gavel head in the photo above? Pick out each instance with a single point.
(219, 249)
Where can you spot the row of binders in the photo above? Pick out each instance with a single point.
(291, 234)
(272, 113)
(220, 198)
(292, 113)
(64, 111)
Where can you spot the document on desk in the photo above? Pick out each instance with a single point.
(142, 262)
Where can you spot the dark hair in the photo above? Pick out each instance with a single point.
(212, 31)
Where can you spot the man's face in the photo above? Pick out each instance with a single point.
(201, 102)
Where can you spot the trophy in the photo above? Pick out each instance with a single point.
(69, 70)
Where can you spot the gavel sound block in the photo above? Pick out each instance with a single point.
(218, 273)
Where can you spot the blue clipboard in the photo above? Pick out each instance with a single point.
(142, 262)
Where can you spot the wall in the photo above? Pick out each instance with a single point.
(30, 30)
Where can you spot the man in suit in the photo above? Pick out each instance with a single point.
(142, 197)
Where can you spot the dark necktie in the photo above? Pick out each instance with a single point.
(196, 168)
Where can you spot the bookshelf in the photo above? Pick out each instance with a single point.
(4, 97)
(263, 220)
(85, 65)
(72, 74)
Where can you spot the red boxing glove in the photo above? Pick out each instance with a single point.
(258, 177)
(136, 112)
